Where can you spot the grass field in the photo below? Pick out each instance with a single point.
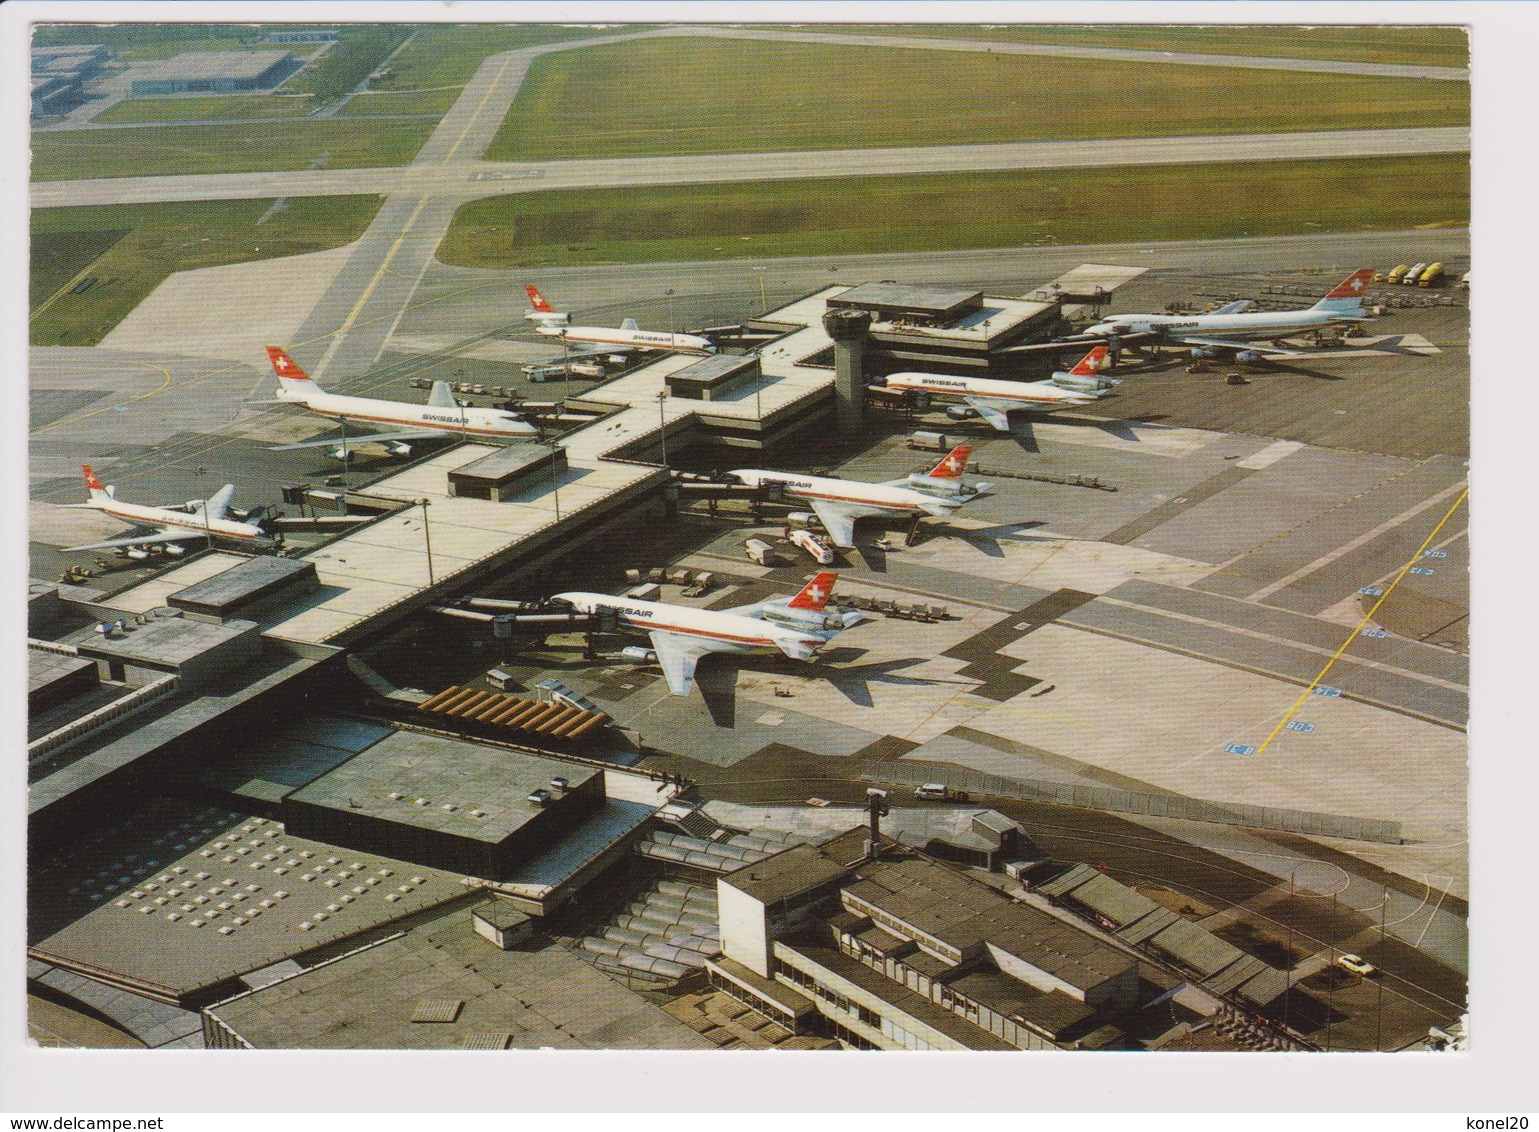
(448, 54)
(870, 214)
(1425, 46)
(238, 106)
(73, 154)
(752, 96)
(400, 102)
(154, 240)
(349, 61)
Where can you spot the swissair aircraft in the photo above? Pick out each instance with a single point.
(197, 519)
(1229, 329)
(612, 339)
(382, 421)
(994, 399)
(838, 503)
(681, 635)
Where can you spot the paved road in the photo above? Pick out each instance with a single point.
(452, 176)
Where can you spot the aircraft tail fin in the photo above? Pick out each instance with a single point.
(290, 376)
(815, 594)
(1347, 296)
(94, 486)
(630, 324)
(541, 311)
(1091, 363)
(953, 465)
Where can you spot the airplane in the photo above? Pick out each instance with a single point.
(627, 336)
(838, 503)
(798, 626)
(994, 399)
(441, 416)
(196, 519)
(1230, 328)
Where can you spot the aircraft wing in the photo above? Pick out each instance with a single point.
(1229, 344)
(216, 506)
(140, 540)
(678, 659)
(366, 438)
(1236, 307)
(987, 410)
(838, 521)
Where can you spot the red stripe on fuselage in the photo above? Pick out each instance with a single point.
(435, 425)
(699, 632)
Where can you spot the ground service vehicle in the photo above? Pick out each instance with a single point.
(1410, 277)
(1432, 276)
(1397, 273)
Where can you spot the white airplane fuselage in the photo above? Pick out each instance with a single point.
(1037, 396)
(713, 630)
(878, 499)
(633, 339)
(379, 414)
(1257, 326)
(194, 525)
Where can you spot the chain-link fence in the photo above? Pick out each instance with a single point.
(1145, 805)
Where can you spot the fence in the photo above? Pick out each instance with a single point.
(1144, 805)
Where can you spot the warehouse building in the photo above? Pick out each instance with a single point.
(214, 72)
(902, 951)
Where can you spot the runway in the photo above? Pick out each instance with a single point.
(458, 179)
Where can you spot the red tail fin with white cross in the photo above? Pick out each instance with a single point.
(1091, 363)
(953, 465)
(290, 376)
(93, 485)
(815, 594)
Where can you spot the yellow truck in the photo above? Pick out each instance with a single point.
(1397, 273)
(1432, 276)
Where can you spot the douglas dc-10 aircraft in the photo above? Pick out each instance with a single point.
(627, 336)
(681, 634)
(994, 399)
(390, 423)
(1229, 329)
(198, 519)
(838, 503)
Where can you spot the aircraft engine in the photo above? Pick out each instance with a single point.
(1076, 383)
(397, 448)
(961, 412)
(921, 400)
(1247, 356)
(338, 453)
(1204, 352)
(137, 553)
(174, 550)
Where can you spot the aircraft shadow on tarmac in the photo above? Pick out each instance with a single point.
(986, 540)
(1022, 430)
(716, 678)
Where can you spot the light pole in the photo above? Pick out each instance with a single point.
(671, 326)
(763, 302)
(555, 494)
(662, 418)
(428, 537)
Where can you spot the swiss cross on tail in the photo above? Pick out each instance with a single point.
(285, 366)
(1353, 285)
(1091, 363)
(954, 464)
(815, 594)
(537, 300)
(93, 485)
